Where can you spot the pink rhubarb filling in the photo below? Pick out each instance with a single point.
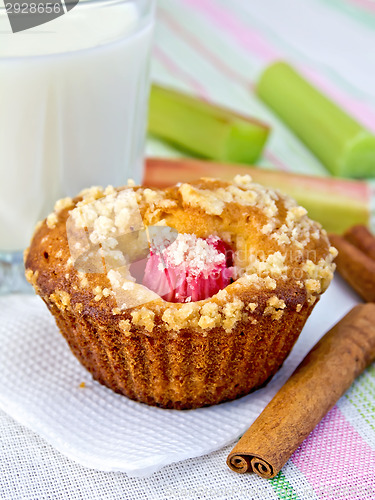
(190, 268)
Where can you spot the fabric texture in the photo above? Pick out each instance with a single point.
(47, 390)
(40, 388)
(217, 49)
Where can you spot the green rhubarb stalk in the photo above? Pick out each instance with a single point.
(205, 129)
(336, 203)
(344, 146)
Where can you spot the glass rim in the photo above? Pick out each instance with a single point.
(146, 21)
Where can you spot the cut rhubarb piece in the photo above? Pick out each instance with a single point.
(203, 128)
(344, 146)
(336, 203)
(190, 268)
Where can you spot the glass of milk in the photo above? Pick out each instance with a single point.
(73, 106)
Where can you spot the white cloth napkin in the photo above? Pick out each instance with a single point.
(40, 387)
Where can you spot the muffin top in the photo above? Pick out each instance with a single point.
(86, 254)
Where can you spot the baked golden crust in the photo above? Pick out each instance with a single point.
(187, 355)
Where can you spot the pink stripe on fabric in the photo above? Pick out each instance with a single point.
(251, 40)
(181, 32)
(276, 161)
(177, 70)
(334, 453)
(248, 38)
(200, 89)
(365, 4)
(355, 108)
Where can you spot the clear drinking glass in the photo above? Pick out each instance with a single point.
(73, 108)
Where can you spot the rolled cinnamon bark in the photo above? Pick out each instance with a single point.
(319, 381)
(357, 268)
(362, 238)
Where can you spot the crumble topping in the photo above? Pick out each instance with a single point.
(61, 298)
(32, 277)
(275, 308)
(108, 216)
(62, 204)
(243, 180)
(322, 271)
(144, 317)
(213, 201)
(334, 252)
(270, 283)
(232, 313)
(151, 197)
(311, 299)
(313, 286)
(181, 316)
(268, 228)
(78, 306)
(272, 266)
(210, 317)
(124, 324)
(194, 254)
(91, 194)
(107, 220)
(201, 198)
(99, 293)
(204, 317)
(276, 302)
(83, 281)
(52, 220)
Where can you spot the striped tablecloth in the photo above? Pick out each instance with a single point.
(217, 49)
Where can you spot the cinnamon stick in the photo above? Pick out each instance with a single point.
(362, 238)
(356, 267)
(319, 381)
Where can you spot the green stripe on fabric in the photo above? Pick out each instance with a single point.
(362, 396)
(283, 488)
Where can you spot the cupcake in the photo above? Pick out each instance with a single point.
(183, 297)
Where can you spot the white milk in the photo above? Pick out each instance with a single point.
(73, 96)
